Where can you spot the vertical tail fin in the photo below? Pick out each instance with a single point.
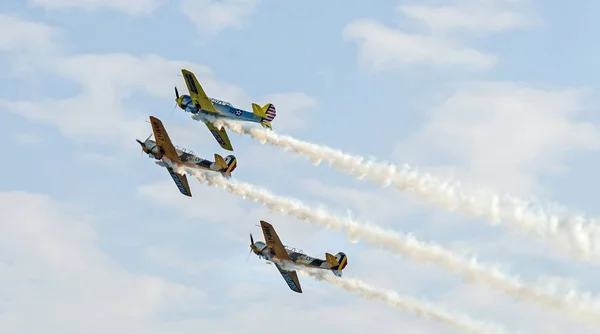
(220, 161)
(228, 164)
(267, 114)
(337, 262)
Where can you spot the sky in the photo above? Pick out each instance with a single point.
(95, 238)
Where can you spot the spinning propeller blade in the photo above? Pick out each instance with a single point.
(251, 245)
(142, 145)
(176, 100)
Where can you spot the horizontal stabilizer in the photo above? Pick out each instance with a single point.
(266, 125)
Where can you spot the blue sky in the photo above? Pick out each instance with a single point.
(94, 237)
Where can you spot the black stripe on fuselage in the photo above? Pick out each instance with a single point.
(297, 256)
(189, 158)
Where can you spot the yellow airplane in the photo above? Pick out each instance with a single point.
(275, 252)
(163, 148)
(199, 103)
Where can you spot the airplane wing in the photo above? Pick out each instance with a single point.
(273, 242)
(163, 141)
(220, 135)
(291, 278)
(196, 92)
(181, 182)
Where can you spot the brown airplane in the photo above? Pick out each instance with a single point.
(274, 251)
(164, 148)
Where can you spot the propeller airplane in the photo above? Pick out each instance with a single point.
(199, 103)
(163, 148)
(274, 251)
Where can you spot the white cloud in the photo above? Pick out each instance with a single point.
(483, 17)
(132, 7)
(443, 44)
(213, 16)
(55, 278)
(104, 110)
(219, 209)
(27, 38)
(110, 86)
(288, 106)
(383, 48)
(506, 134)
(382, 206)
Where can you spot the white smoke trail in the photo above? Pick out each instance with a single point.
(425, 310)
(577, 305)
(578, 235)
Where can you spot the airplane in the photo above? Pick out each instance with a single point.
(199, 103)
(274, 251)
(163, 148)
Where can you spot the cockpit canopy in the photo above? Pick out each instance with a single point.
(221, 102)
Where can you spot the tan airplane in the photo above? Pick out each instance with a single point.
(164, 148)
(274, 251)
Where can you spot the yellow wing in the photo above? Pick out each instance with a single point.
(196, 92)
(163, 141)
(220, 135)
(273, 241)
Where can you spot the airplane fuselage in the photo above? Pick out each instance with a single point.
(224, 109)
(261, 249)
(188, 159)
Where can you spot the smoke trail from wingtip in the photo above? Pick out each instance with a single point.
(422, 309)
(574, 304)
(578, 235)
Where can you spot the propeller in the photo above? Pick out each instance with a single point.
(176, 100)
(142, 145)
(174, 107)
(144, 149)
(251, 246)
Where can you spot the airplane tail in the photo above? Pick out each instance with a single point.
(337, 262)
(228, 164)
(266, 113)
